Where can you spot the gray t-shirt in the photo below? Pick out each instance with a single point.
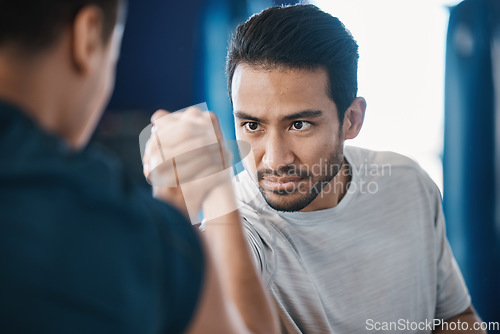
(379, 258)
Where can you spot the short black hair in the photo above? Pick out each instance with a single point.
(33, 25)
(299, 36)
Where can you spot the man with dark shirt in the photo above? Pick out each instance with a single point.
(82, 249)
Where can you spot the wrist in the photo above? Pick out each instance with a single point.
(221, 199)
(172, 196)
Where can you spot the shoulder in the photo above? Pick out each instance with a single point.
(84, 196)
(73, 223)
(391, 167)
(360, 156)
(79, 224)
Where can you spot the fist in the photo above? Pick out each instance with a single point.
(185, 158)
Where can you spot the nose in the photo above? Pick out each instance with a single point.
(278, 153)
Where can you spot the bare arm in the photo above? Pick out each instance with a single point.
(224, 233)
(236, 267)
(215, 312)
(466, 319)
(234, 300)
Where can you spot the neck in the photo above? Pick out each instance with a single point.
(337, 188)
(37, 86)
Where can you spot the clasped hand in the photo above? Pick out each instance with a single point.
(185, 159)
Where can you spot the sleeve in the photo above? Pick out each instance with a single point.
(452, 294)
(254, 244)
(262, 246)
(253, 240)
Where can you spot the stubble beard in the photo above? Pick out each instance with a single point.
(309, 187)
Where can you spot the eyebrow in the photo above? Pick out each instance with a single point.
(297, 115)
(243, 115)
(303, 114)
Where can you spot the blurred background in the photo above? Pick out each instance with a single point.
(429, 70)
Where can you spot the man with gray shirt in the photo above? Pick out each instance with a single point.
(348, 240)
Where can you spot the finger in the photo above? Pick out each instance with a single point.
(168, 174)
(147, 150)
(153, 154)
(146, 159)
(159, 114)
(146, 171)
(162, 174)
(145, 166)
(203, 156)
(189, 166)
(195, 117)
(174, 148)
(179, 126)
(193, 111)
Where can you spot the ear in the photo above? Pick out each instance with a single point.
(353, 118)
(87, 38)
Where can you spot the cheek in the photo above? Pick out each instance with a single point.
(315, 151)
(251, 152)
(103, 93)
(109, 79)
(109, 69)
(106, 84)
(109, 84)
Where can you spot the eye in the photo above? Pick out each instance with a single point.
(300, 125)
(251, 126)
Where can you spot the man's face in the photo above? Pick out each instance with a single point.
(293, 128)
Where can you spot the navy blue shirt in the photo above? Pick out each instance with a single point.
(81, 249)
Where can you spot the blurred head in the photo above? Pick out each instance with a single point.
(292, 76)
(80, 39)
(35, 25)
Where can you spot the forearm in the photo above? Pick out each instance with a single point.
(233, 289)
(232, 257)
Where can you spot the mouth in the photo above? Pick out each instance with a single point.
(280, 184)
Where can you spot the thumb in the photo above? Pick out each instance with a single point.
(159, 114)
